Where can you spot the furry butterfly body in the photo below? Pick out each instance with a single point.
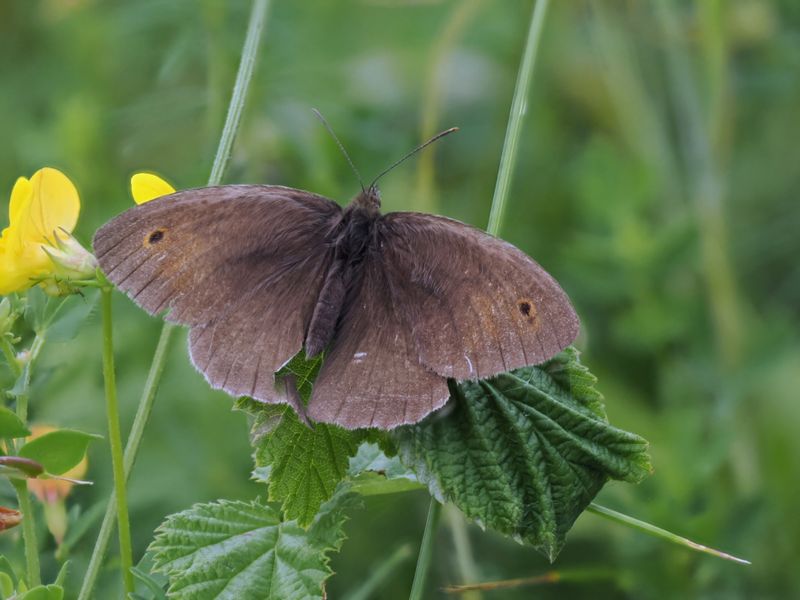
(400, 302)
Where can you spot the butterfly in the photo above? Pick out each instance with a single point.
(399, 303)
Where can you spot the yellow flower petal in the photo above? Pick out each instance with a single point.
(41, 209)
(54, 206)
(148, 186)
(20, 196)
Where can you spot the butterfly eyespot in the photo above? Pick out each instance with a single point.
(154, 237)
(528, 310)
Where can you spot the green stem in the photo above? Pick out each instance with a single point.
(115, 441)
(425, 551)
(465, 561)
(380, 574)
(551, 577)
(258, 17)
(21, 487)
(460, 17)
(11, 356)
(22, 398)
(658, 532)
(505, 172)
(34, 577)
(508, 158)
(131, 449)
(243, 77)
(707, 189)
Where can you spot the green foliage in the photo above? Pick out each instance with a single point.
(601, 198)
(44, 592)
(232, 550)
(11, 426)
(6, 586)
(149, 586)
(58, 451)
(301, 464)
(524, 453)
(374, 473)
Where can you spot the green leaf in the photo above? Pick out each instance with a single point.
(373, 473)
(36, 302)
(301, 464)
(6, 568)
(58, 451)
(44, 592)
(76, 309)
(229, 550)
(525, 452)
(149, 586)
(6, 585)
(21, 382)
(11, 426)
(62, 574)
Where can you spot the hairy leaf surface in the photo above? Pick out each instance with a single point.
(230, 550)
(301, 465)
(525, 452)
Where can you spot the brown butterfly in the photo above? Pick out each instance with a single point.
(399, 302)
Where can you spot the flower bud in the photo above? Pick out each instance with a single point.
(72, 260)
(9, 518)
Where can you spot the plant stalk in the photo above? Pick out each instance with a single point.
(459, 19)
(34, 576)
(22, 398)
(425, 551)
(508, 158)
(21, 486)
(378, 575)
(115, 441)
(465, 561)
(11, 357)
(658, 532)
(238, 97)
(505, 172)
(131, 449)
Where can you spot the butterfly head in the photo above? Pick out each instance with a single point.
(368, 200)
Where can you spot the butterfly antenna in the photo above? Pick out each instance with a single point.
(341, 147)
(413, 152)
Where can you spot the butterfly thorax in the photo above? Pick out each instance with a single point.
(349, 244)
(368, 200)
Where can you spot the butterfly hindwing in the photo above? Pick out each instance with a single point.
(241, 265)
(371, 375)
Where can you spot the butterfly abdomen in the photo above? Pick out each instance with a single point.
(326, 311)
(352, 241)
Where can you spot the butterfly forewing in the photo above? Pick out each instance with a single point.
(476, 305)
(242, 265)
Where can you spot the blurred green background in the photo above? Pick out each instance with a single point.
(657, 181)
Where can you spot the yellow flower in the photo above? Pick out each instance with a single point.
(149, 186)
(37, 245)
